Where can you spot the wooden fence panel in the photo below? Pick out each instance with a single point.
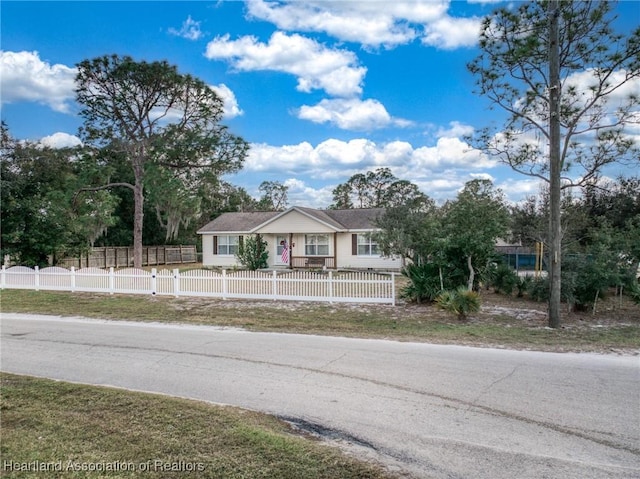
(122, 257)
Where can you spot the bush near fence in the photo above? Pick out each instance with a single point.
(122, 256)
(331, 286)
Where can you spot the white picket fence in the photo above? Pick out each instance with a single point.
(345, 287)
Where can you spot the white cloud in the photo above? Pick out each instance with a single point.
(316, 66)
(440, 170)
(581, 89)
(230, 103)
(190, 30)
(455, 130)
(335, 158)
(449, 32)
(27, 78)
(301, 194)
(350, 114)
(368, 23)
(332, 155)
(620, 87)
(372, 23)
(451, 152)
(284, 158)
(60, 140)
(516, 190)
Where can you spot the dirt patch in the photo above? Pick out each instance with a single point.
(612, 311)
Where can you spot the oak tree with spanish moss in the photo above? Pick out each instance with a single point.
(159, 119)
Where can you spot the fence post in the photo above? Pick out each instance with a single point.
(3, 277)
(176, 282)
(393, 289)
(154, 273)
(224, 284)
(330, 286)
(37, 278)
(73, 279)
(112, 280)
(275, 285)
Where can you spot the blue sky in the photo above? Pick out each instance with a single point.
(321, 90)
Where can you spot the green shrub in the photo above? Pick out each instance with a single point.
(538, 289)
(585, 280)
(252, 253)
(460, 301)
(503, 279)
(424, 282)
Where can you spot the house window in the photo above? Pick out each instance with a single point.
(227, 245)
(316, 245)
(366, 245)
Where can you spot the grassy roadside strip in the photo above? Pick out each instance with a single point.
(403, 322)
(77, 431)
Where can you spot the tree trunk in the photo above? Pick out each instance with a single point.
(137, 223)
(472, 274)
(138, 210)
(555, 169)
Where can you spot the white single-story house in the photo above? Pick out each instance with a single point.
(299, 237)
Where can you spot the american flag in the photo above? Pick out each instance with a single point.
(285, 252)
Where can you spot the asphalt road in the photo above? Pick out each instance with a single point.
(434, 411)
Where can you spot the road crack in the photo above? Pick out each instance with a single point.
(474, 401)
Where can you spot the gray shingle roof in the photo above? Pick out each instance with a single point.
(238, 222)
(354, 219)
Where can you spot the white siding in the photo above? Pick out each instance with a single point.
(295, 222)
(344, 257)
(347, 260)
(217, 260)
(207, 250)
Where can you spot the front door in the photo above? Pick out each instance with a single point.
(282, 251)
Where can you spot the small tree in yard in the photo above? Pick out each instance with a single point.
(473, 223)
(252, 253)
(446, 247)
(407, 231)
(569, 85)
(157, 119)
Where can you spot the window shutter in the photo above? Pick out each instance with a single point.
(240, 241)
(215, 245)
(354, 245)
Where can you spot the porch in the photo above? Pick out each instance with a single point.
(313, 262)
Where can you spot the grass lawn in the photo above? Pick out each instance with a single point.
(507, 322)
(76, 431)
